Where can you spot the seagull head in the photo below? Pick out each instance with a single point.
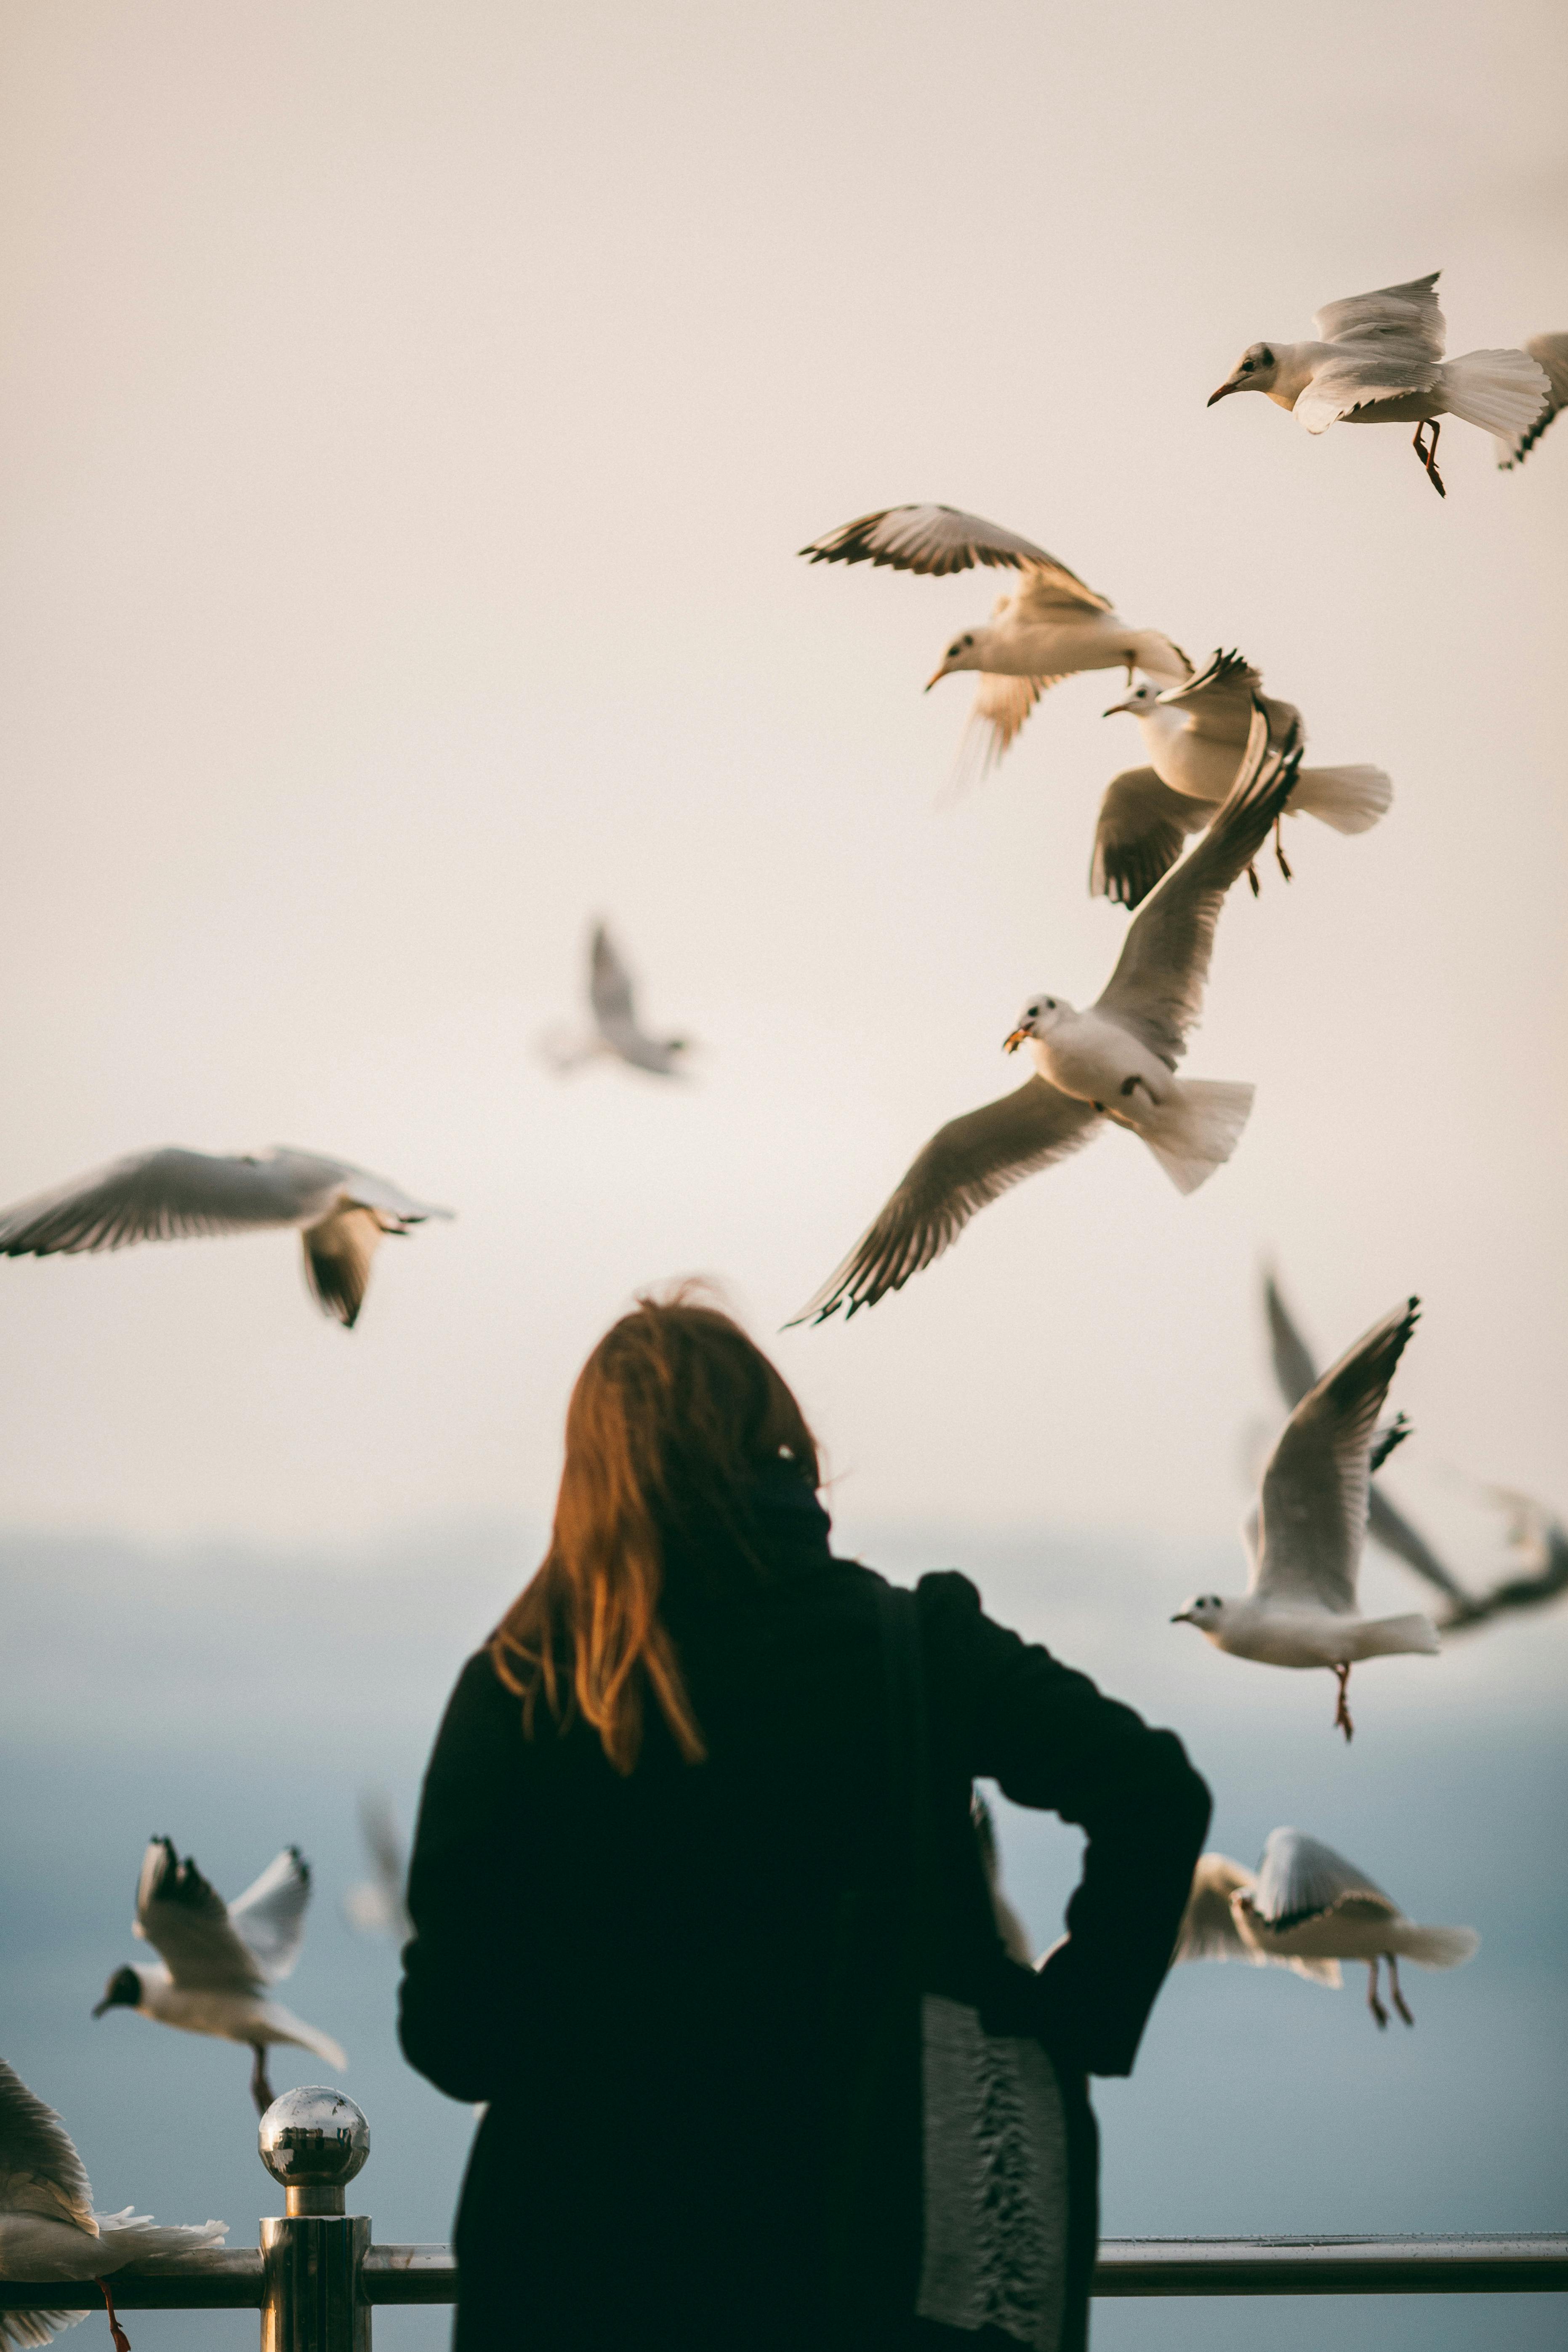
(1038, 1019)
(962, 654)
(124, 1990)
(1255, 371)
(1142, 700)
(1205, 1611)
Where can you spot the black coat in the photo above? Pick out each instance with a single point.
(637, 1972)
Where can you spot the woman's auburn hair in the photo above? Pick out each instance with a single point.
(671, 1418)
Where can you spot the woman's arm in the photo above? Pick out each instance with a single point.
(460, 2004)
(1051, 1740)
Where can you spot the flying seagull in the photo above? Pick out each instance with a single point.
(1542, 1540)
(1050, 627)
(1115, 1061)
(1300, 1609)
(616, 1032)
(219, 1957)
(1378, 359)
(340, 1211)
(47, 2227)
(1550, 352)
(376, 1905)
(1308, 1909)
(1196, 738)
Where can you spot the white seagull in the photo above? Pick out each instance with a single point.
(1300, 1609)
(377, 1905)
(1378, 359)
(1196, 737)
(341, 1212)
(47, 2227)
(1051, 626)
(1552, 354)
(1115, 1061)
(219, 1957)
(615, 1032)
(1308, 1909)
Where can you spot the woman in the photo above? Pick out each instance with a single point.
(660, 1843)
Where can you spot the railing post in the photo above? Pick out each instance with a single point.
(314, 2142)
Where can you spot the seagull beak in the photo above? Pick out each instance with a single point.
(1183, 1617)
(100, 2007)
(931, 680)
(1220, 394)
(1011, 1043)
(1114, 708)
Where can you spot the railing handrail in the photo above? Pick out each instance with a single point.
(230, 2278)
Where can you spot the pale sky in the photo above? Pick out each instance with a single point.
(408, 416)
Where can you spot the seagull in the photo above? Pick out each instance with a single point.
(615, 1031)
(376, 1905)
(1541, 1538)
(1300, 1609)
(1196, 736)
(1550, 352)
(47, 2227)
(1309, 1909)
(1052, 626)
(1378, 359)
(1296, 1374)
(1014, 1936)
(1115, 1061)
(219, 1957)
(340, 1211)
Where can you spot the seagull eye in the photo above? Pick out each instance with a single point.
(1246, 367)
(955, 649)
(1050, 1005)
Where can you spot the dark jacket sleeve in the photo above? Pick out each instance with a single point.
(459, 2004)
(1051, 1740)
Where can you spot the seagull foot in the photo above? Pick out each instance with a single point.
(1252, 878)
(121, 2341)
(260, 2088)
(1393, 1988)
(1341, 1712)
(1429, 453)
(1280, 851)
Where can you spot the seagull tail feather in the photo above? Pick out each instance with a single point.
(1197, 1129)
(1437, 1947)
(1350, 799)
(1397, 1637)
(1502, 392)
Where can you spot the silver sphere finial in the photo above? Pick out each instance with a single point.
(314, 2142)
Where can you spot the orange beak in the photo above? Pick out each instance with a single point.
(1016, 1038)
(932, 679)
(1221, 393)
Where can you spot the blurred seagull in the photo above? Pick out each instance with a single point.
(341, 1211)
(1050, 627)
(1378, 359)
(1116, 1061)
(615, 1031)
(1550, 352)
(220, 1957)
(47, 2227)
(1309, 1909)
(1196, 736)
(1542, 1540)
(1300, 1609)
(377, 1906)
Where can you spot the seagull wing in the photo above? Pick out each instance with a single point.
(1208, 1931)
(378, 1826)
(338, 1256)
(186, 1921)
(1550, 352)
(270, 1914)
(1314, 1491)
(165, 1196)
(1294, 1371)
(40, 2172)
(1391, 1528)
(609, 985)
(1142, 830)
(964, 1167)
(1157, 988)
(1299, 1879)
(1219, 702)
(938, 539)
(1360, 378)
(1544, 1540)
(1406, 318)
(1000, 705)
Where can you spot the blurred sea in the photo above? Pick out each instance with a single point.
(239, 1701)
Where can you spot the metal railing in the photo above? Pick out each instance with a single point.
(316, 2277)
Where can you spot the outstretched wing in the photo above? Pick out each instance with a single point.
(40, 2172)
(1314, 1492)
(1406, 319)
(1208, 1931)
(938, 539)
(338, 1256)
(1157, 988)
(1220, 700)
(1294, 1371)
(1551, 352)
(1142, 831)
(1542, 1538)
(609, 984)
(155, 1196)
(964, 1167)
(186, 1922)
(1000, 705)
(270, 1914)
(1300, 1879)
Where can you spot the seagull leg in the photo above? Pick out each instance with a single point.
(1280, 848)
(1393, 1988)
(1342, 1713)
(260, 2088)
(1252, 878)
(1373, 2001)
(1428, 454)
(121, 2341)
